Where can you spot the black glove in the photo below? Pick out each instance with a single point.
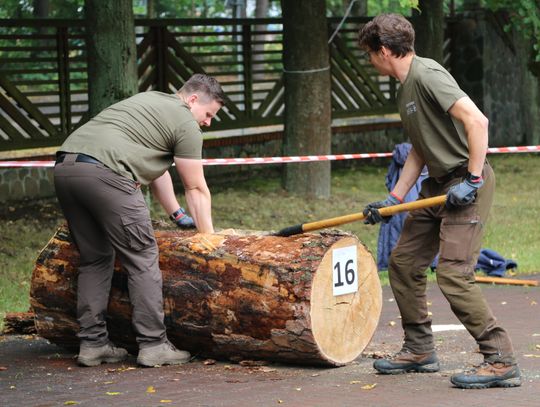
(464, 193)
(182, 220)
(371, 211)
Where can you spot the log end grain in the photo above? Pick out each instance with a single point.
(343, 325)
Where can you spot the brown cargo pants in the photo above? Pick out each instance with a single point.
(456, 235)
(107, 216)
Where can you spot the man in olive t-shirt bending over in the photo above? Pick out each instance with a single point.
(98, 173)
(449, 134)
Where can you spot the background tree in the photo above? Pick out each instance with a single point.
(112, 55)
(261, 11)
(307, 95)
(429, 27)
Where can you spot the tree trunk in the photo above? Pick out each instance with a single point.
(151, 9)
(429, 27)
(112, 54)
(247, 296)
(41, 8)
(359, 8)
(307, 95)
(261, 11)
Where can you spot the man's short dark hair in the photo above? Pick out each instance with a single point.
(392, 31)
(206, 86)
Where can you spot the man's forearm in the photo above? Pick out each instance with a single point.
(163, 190)
(200, 207)
(409, 175)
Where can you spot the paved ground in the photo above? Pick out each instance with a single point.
(36, 373)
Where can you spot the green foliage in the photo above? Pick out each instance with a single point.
(524, 18)
(191, 9)
(337, 8)
(57, 9)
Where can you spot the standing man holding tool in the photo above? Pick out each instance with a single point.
(449, 134)
(98, 173)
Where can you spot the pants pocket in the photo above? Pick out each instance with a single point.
(118, 181)
(459, 237)
(139, 232)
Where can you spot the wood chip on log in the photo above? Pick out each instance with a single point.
(236, 296)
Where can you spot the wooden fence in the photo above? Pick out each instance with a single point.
(43, 72)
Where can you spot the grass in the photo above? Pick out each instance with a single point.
(261, 204)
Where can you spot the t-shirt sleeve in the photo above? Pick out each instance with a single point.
(442, 88)
(188, 141)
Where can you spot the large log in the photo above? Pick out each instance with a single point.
(233, 296)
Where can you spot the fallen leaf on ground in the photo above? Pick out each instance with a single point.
(150, 389)
(125, 369)
(355, 382)
(71, 403)
(2, 368)
(209, 362)
(165, 401)
(369, 386)
(531, 356)
(392, 323)
(298, 389)
(113, 393)
(265, 369)
(280, 401)
(533, 302)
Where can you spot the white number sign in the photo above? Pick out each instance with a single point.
(345, 270)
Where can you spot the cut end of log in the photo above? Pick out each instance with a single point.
(343, 325)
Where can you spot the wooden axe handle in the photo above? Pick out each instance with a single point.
(340, 220)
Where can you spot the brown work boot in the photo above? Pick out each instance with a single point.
(96, 355)
(405, 361)
(488, 375)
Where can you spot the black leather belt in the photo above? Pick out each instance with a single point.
(81, 158)
(458, 172)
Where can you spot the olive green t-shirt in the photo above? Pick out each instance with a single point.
(424, 99)
(139, 136)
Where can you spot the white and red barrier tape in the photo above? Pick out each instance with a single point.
(282, 160)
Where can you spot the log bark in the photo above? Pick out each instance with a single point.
(229, 296)
(19, 323)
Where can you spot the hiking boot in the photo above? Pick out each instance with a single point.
(94, 356)
(405, 361)
(163, 354)
(488, 375)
